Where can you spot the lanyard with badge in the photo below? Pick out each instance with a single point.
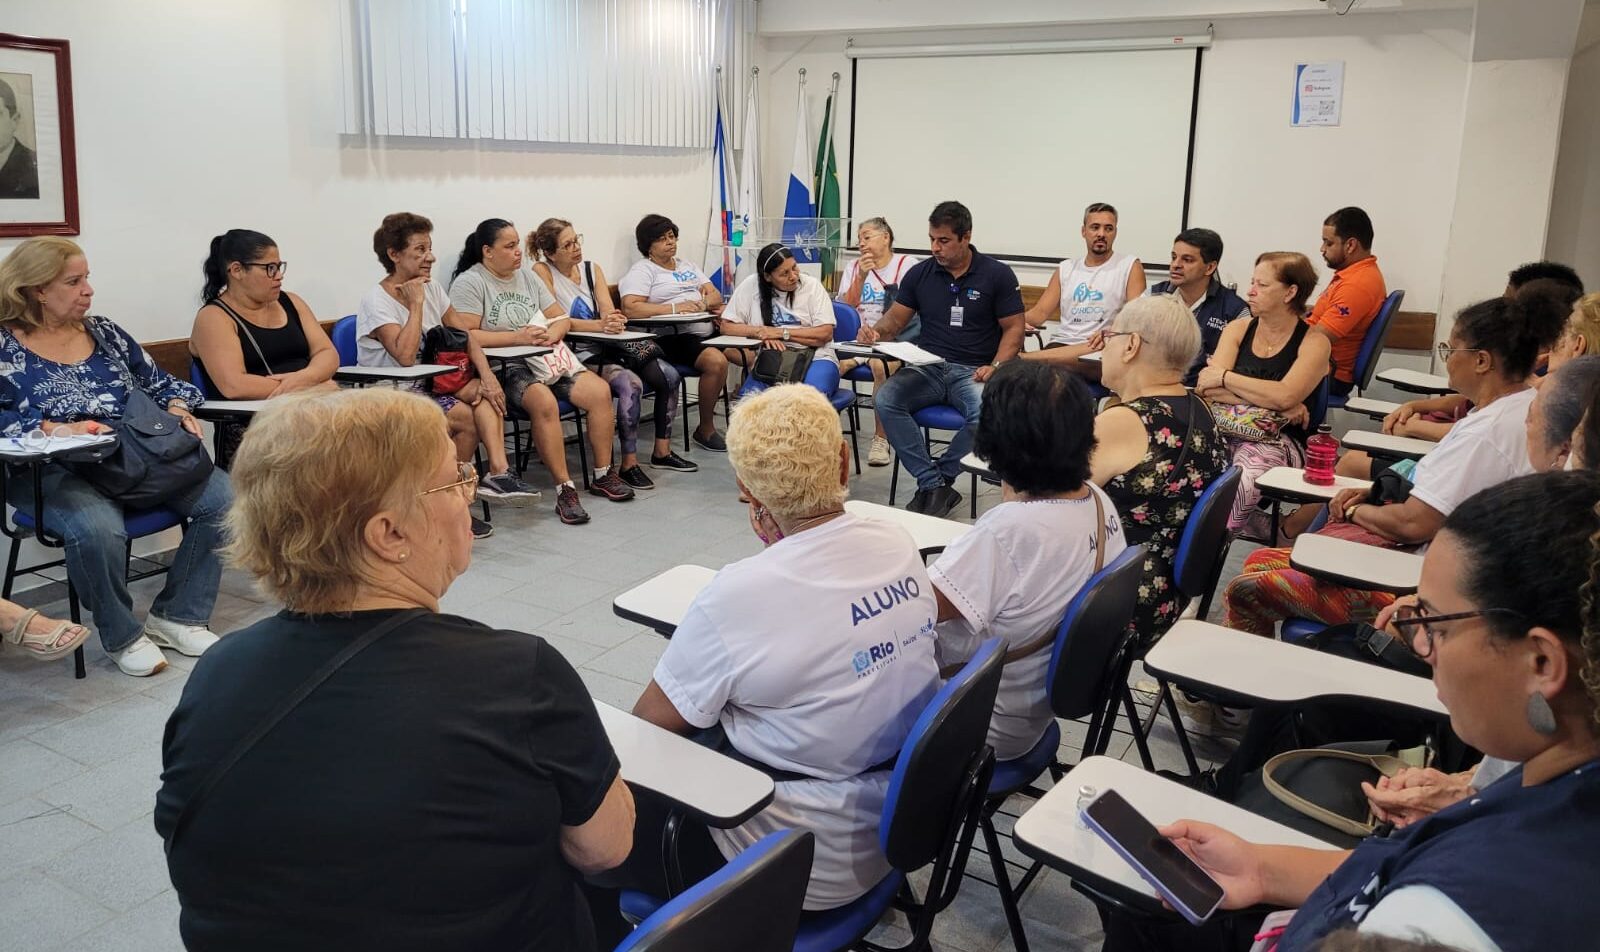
(957, 312)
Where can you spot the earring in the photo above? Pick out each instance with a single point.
(1540, 717)
(404, 556)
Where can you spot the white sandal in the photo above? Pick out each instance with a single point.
(43, 646)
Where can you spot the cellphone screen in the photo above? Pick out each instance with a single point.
(1154, 854)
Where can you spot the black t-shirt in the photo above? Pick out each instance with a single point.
(413, 802)
(987, 292)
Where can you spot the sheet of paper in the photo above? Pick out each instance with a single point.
(909, 353)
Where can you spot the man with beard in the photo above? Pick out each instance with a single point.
(1354, 297)
(1086, 293)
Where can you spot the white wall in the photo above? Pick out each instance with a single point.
(1574, 235)
(1261, 184)
(193, 118)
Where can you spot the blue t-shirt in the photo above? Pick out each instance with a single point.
(1517, 860)
(987, 292)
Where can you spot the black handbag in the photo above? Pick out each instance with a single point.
(448, 345)
(789, 365)
(154, 459)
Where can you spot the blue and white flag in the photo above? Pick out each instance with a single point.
(799, 206)
(721, 231)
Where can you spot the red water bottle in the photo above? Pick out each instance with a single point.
(1322, 452)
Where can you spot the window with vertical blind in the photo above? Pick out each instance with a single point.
(585, 72)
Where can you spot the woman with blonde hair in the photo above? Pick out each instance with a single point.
(815, 656)
(1260, 378)
(66, 373)
(362, 731)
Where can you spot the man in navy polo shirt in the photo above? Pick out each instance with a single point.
(1192, 276)
(972, 316)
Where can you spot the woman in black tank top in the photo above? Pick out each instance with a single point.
(252, 339)
(1266, 367)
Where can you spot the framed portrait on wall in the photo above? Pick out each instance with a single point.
(38, 162)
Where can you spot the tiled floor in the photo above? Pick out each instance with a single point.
(81, 867)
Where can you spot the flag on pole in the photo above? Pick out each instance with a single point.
(798, 209)
(721, 231)
(747, 209)
(826, 189)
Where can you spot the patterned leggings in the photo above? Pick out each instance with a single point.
(1269, 591)
(628, 387)
(1247, 518)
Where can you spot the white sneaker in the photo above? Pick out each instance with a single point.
(192, 640)
(140, 659)
(878, 455)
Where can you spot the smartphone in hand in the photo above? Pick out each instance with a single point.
(1180, 880)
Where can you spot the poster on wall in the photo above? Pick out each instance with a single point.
(1318, 93)
(38, 164)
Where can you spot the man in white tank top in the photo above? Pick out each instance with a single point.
(1086, 293)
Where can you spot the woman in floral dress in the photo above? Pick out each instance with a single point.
(1158, 449)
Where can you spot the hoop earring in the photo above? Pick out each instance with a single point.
(1540, 717)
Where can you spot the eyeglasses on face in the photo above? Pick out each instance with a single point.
(1418, 626)
(465, 487)
(272, 268)
(1109, 335)
(1444, 350)
(573, 243)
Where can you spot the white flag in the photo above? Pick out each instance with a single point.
(747, 206)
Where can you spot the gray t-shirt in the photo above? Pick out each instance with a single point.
(512, 304)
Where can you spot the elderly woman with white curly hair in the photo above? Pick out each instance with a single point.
(815, 656)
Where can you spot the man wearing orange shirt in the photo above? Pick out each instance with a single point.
(1355, 295)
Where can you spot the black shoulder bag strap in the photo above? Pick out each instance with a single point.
(288, 704)
(594, 298)
(244, 331)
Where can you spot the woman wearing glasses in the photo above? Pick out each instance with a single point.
(252, 339)
(64, 372)
(1501, 618)
(629, 367)
(470, 757)
(1488, 358)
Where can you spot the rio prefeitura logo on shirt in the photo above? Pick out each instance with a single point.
(874, 658)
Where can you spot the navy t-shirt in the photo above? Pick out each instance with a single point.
(414, 801)
(1515, 859)
(987, 292)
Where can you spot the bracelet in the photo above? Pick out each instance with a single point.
(1224, 380)
(674, 307)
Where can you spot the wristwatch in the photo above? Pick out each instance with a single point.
(178, 406)
(786, 333)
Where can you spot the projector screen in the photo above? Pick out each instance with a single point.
(1026, 141)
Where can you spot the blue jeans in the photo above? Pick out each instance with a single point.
(910, 390)
(822, 374)
(97, 551)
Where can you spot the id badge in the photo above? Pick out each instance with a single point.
(956, 315)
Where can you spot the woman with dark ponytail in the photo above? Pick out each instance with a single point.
(783, 308)
(251, 338)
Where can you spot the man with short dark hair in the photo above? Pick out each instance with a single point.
(19, 167)
(1192, 279)
(1354, 296)
(1086, 293)
(971, 307)
(1546, 270)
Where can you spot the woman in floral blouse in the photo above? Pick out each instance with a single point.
(54, 377)
(1158, 449)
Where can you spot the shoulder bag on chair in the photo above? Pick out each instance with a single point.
(448, 345)
(154, 459)
(789, 365)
